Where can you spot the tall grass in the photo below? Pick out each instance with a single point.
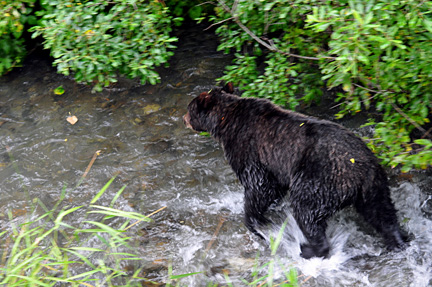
(50, 251)
(269, 268)
(262, 275)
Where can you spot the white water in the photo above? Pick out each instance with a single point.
(358, 255)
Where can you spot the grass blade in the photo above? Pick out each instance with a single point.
(63, 213)
(117, 195)
(174, 277)
(102, 191)
(80, 256)
(119, 213)
(31, 280)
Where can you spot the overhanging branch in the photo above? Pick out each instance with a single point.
(269, 46)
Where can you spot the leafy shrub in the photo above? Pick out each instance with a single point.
(14, 14)
(96, 40)
(375, 54)
(191, 9)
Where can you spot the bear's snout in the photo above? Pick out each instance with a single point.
(186, 121)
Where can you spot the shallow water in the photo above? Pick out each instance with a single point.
(140, 134)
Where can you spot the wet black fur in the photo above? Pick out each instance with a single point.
(321, 165)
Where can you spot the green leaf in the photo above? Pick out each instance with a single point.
(424, 142)
(86, 249)
(117, 195)
(120, 213)
(31, 280)
(174, 277)
(427, 24)
(206, 134)
(63, 213)
(195, 12)
(406, 168)
(59, 90)
(357, 17)
(102, 191)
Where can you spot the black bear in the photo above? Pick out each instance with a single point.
(321, 166)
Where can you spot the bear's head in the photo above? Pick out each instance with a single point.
(206, 111)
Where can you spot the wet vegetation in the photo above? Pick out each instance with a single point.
(46, 250)
(97, 250)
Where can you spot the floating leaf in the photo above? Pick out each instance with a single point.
(206, 134)
(151, 108)
(72, 119)
(59, 91)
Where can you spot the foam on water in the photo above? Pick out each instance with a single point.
(358, 254)
(352, 244)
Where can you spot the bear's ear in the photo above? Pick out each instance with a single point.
(205, 100)
(229, 88)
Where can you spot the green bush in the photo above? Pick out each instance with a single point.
(97, 40)
(191, 9)
(14, 15)
(375, 54)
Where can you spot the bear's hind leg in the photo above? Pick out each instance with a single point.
(379, 211)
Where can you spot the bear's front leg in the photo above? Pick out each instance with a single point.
(261, 190)
(254, 209)
(317, 246)
(313, 229)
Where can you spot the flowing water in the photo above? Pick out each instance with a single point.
(140, 135)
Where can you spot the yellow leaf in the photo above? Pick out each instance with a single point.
(72, 119)
(301, 124)
(151, 108)
(352, 160)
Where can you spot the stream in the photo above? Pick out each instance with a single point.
(139, 132)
